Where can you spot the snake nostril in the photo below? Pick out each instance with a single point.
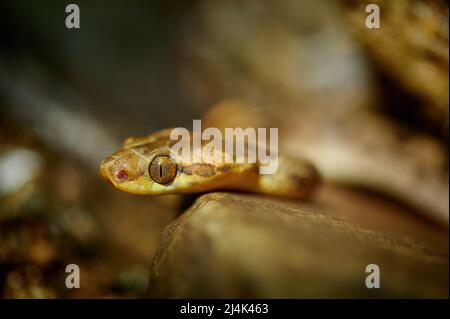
(122, 175)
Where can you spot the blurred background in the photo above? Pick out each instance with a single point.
(368, 106)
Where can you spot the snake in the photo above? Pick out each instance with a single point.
(147, 165)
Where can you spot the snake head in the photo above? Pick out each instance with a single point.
(121, 169)
(150, 166)
(138, 170)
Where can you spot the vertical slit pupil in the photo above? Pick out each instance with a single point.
(162, 170)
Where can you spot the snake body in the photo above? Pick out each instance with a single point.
(147, 166)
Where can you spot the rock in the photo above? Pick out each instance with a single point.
(238, 246)
(411, 33)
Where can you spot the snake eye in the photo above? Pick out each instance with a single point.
(162, 169)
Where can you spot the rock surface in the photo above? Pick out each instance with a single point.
(234, 245)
